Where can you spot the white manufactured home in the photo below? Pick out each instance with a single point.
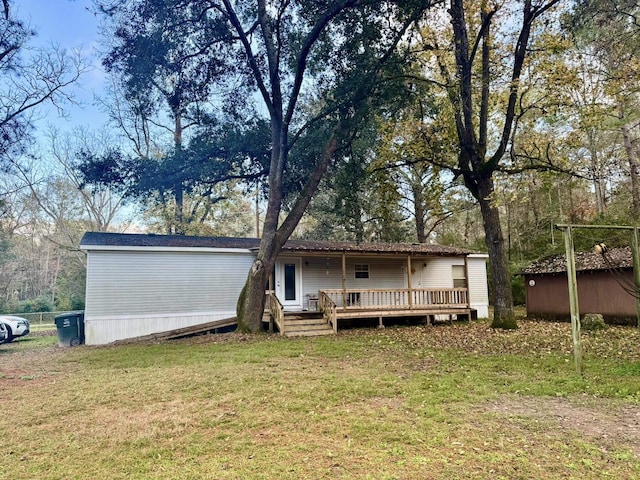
(139, 285)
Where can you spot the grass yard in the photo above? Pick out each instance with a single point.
(442, 402)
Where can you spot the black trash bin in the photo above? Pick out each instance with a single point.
(70, 329)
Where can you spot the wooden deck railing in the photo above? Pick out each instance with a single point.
(276, 310)
(397, 298)
(329, 310)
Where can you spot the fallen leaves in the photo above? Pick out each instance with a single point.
(532, 338)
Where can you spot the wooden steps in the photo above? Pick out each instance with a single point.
(306, 324)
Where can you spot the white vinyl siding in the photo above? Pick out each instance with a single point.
(436, 272)
(126, 283)
(325, 273)
(136, 293)
(478, 290)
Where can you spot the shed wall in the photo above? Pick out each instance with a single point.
(598, 292)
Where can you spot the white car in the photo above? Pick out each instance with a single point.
(16, 326)
(3, 333)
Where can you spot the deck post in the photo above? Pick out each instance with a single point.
(409, 282)
(380, 324)
(344, 281)
(466, 281)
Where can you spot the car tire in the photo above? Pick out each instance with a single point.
(9, 334)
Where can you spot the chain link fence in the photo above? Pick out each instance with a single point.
(40, 318)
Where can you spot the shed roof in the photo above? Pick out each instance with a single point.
(94, 240)
(585, 261)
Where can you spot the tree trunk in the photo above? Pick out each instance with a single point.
(419, 212)
(633, 172)
(251, 303)
(252, 298)
(503, 316)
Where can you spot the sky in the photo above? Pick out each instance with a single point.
(70, 25)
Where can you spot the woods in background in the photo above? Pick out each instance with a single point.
(476, 124)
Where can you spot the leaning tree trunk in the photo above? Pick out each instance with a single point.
(503, 316)
(250, 307)
(252, 298)
(251, 302)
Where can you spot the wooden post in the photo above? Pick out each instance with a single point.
(636, 271)
(466, 282)
(573, 299)
(409, 281)
(344, 281)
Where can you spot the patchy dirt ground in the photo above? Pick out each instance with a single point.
(609, 425)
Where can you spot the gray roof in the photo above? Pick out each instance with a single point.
(585, 261)
(101, 239)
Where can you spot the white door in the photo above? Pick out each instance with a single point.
(288, 282)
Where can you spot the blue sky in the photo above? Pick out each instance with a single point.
(70, 25)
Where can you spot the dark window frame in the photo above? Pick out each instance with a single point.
(361, 271)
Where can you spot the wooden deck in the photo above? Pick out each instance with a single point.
(348, 304)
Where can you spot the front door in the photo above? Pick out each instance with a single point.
(288, 285)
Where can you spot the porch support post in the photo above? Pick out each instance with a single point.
(409, 282)
(344, 280)
(466, 282)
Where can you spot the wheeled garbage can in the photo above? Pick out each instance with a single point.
(70, 328)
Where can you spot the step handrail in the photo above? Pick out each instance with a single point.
(329, 310)
(276, 310)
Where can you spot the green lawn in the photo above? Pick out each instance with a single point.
(443, 402)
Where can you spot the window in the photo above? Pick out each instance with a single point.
(459, 274)
(362, 270)
(290, 281)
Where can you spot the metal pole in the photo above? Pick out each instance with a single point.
(573, 298)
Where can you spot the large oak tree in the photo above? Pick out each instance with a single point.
(490, 42)
(314, 69)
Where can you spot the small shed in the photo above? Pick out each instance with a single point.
(603, 286)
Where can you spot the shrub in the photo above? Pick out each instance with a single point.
(593, 321)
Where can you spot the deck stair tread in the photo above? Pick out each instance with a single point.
(310, 333)
(306, 324)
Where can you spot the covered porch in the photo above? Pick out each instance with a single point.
(329, 288)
